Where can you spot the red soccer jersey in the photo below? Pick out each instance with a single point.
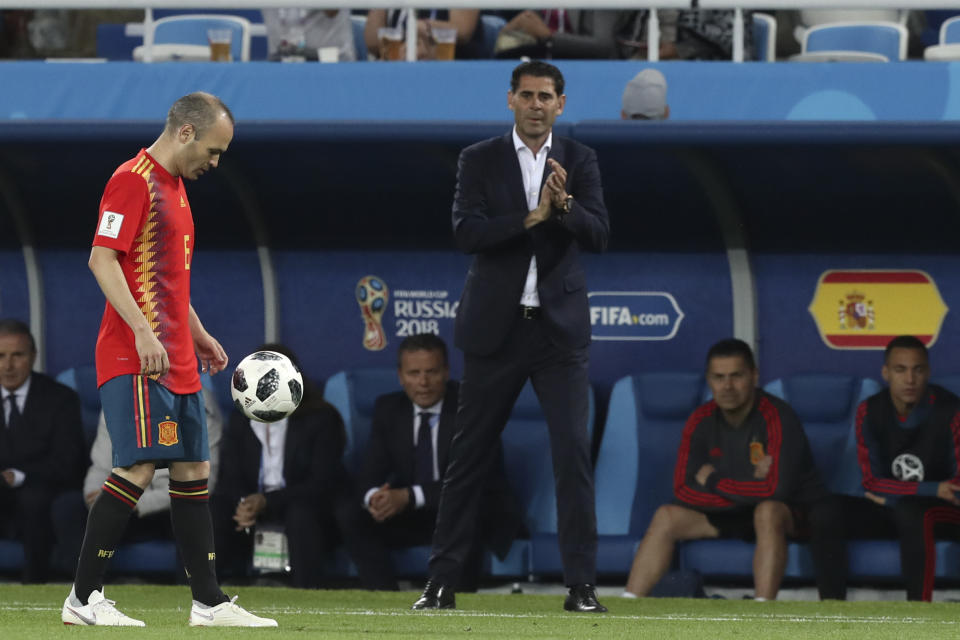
(145, 217)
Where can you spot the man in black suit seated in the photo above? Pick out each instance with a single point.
(406, 457)
(283, 473)
(41, 447)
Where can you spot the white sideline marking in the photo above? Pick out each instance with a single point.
(677, 617)
(680, 617)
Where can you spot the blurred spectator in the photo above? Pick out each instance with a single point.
(284, 473)
(632, 37)
(465, 21)
(41, 445)
(152, 512)
(708, 34)
(57, 33)
(300, 32)
(560, 33)
(645, 97)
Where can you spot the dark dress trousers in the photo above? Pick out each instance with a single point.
(390, 458)
(503, 350)
(313, 471)
(48, 447)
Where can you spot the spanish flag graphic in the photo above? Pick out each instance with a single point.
(865, 309)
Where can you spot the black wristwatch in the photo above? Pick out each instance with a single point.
(567, 204)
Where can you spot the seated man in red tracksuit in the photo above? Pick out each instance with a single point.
(744, 470)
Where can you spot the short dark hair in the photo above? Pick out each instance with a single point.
(200, 109)
(537, 69)
(730, 347)
(13, 327)
(905, 342)
(422, 342)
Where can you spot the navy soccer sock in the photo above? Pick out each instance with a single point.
(105, 526)
(193, 529)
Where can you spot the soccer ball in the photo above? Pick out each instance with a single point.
(266, 386)
(908, 468)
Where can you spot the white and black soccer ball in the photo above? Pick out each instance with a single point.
(908, 468)
(266, 386)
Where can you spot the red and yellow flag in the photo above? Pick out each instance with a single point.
(865, 309)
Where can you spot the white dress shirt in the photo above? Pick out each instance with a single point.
(531, 168)
(272, 436)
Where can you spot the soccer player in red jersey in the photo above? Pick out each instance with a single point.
(147, 350)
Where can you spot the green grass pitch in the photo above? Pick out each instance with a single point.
(28, 612)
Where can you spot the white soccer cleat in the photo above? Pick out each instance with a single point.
(226, 614)
(97, 612)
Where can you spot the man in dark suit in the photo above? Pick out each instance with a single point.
(405, 459)
(526, 204)
(285, 473)
(41, 447)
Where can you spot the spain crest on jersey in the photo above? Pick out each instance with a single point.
(168, 433)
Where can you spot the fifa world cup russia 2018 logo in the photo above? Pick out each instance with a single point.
(372, 296)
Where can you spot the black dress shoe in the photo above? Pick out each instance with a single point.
(437, 596)
(583, 597)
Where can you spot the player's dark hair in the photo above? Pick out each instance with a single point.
(13, 327)
(422, 342)
(537, 69)
(905, 342)
(731, 347)
(199, 109)
(312, 395)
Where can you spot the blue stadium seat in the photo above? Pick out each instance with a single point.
(884, 39)
(638, 452)
(83, 380)
(192, 30)
(950, 382)
(491, 26)
(764, 37)
(826, 404)
(359, 24)
(353, 393)
(529, 469)
(11, 556)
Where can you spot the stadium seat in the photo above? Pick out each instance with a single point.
(854, 41)
(190, 32)
(353, 393)
(638, 452)
(359, 24)
(491, 26)
(826, 404)
(950, 382)
(11, 556)
(948, 47)
(765, 37)
(83, 380)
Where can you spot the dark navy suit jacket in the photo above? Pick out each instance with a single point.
(488, 211)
